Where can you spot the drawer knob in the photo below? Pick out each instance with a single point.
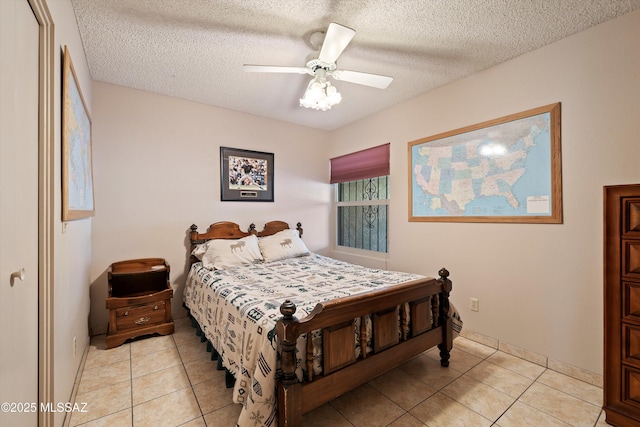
(155, 307)
(142, 320)
(126, 313)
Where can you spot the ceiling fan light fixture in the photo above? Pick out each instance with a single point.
(320, 95)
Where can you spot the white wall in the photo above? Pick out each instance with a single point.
(72, 248)
(539, 286)
(157, 171)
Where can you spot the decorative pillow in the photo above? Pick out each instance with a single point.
(226, 253)
(200, 250)
(283, 244)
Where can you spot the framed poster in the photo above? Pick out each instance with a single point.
(77, 169)
(503, 170)
(246, 176)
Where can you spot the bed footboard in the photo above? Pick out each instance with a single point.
(421, 307)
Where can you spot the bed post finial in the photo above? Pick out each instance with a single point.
(299, 228)
(193, 234)
(288, 309)
(252, 228)
(444, 276)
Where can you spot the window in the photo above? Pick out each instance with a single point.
(362, 188)
(362, 208)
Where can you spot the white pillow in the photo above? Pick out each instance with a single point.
(200, 250)
(226, 253)
(283, 244)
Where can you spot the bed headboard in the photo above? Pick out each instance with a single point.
(231, 230)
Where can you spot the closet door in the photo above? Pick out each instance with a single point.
(622, 304)
(19, 111)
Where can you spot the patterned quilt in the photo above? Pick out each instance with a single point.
(237, 309)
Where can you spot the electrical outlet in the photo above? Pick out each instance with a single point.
(74, 347)
(475, 304)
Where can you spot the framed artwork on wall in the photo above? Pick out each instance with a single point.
(246, 176)
(77, 168)
(502, 170)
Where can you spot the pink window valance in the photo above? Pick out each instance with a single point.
(362, 164)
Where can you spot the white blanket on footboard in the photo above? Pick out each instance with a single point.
(238, 308)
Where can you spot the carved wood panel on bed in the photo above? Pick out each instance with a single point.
(362, 335)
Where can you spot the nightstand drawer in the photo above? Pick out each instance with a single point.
(141, 315)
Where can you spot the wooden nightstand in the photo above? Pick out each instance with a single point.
(139, 300)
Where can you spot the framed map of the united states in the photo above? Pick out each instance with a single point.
(502, 170)
(77, 171)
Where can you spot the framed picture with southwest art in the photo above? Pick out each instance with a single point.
(502, 170)
(246, 176)
(77, 169)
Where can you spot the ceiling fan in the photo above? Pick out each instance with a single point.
(320, 93)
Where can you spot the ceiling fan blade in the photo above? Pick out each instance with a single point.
(337, 38)
(373, 80)
(274, 69)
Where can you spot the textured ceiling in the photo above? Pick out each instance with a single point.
(195, 49)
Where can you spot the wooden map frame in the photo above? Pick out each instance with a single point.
(78, 199)
(552, 200)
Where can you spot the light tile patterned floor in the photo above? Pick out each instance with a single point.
(170, 381)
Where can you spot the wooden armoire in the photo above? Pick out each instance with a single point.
(622, 305)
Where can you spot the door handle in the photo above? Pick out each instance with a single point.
(17, 275)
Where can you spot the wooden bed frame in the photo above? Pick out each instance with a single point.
(428, 316)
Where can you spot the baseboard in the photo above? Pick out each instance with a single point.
(76, 383)
(533, 357)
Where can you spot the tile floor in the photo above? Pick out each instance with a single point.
(170, 381)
